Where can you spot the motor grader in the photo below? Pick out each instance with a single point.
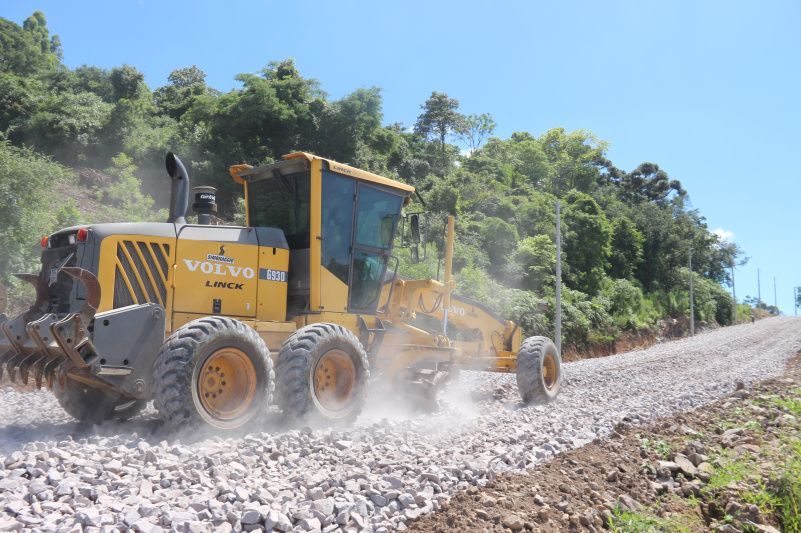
(302, 307)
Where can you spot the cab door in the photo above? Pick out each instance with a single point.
(377, 214)
(338, 203)
(357, 228)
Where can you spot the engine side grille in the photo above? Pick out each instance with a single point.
(141, 273)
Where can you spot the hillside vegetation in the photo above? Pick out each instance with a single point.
(626, 233)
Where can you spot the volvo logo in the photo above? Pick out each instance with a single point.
(219, 270)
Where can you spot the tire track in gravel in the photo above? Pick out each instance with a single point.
(389, 468)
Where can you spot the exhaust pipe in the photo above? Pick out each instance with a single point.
(179, 194)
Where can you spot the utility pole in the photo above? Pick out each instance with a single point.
(733, 296)
(558, 317)
(759, 290)
(775, 300)
(692, 302)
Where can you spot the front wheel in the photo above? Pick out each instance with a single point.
(539, 370)
(322, 374)
(214, 372)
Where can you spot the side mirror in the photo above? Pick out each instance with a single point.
(414, 228)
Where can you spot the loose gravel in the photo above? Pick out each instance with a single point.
(391, 467)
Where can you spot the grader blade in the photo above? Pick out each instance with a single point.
(424, 385)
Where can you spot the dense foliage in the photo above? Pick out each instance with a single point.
(626, 235)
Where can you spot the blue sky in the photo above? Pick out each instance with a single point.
(707, 90)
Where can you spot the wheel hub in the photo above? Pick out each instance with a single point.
(550, 374)
(227, 383)
(335, 380)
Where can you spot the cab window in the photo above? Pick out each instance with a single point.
(337, 223)
(377, 216)
(282, 202)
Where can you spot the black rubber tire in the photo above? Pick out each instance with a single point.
(530, 378)
(177, 367)
(88, 404)
(297, 362)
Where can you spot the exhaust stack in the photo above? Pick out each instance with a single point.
(179, 194)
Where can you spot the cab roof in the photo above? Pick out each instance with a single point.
(300, 161)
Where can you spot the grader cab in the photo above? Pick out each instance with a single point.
(302, 307)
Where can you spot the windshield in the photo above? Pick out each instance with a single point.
(282, 202)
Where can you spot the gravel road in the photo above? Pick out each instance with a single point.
(391, 467)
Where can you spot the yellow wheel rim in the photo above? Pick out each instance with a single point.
(334, 380)
(227, 384)
(550, 374)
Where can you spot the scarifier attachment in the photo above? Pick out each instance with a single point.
(37, 343)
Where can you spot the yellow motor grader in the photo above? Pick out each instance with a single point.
(301, 306)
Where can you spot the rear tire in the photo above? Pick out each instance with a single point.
(88, 404)
(539, 370)
(214, 372)
(322, 374)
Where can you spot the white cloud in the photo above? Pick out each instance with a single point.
(724, 234)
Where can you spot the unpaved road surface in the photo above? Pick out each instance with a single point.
(392, 466)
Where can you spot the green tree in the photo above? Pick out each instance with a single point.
(19, 98)
(30, 206)
(627, 243)
(649, 183)
(444, 197)
(127, 83)
(185, 85)
(49, 47)
(23, 50)
(536, 215)
(94, 80)
(348, 126)
(530, 160)
(587, 242)
(440, 117)
(69, 126)
(574, 158)
(499, 239)
(125, 194)
(536, 257)
(473, 130)
(624, 301)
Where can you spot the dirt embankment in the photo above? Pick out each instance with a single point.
(732, 466)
